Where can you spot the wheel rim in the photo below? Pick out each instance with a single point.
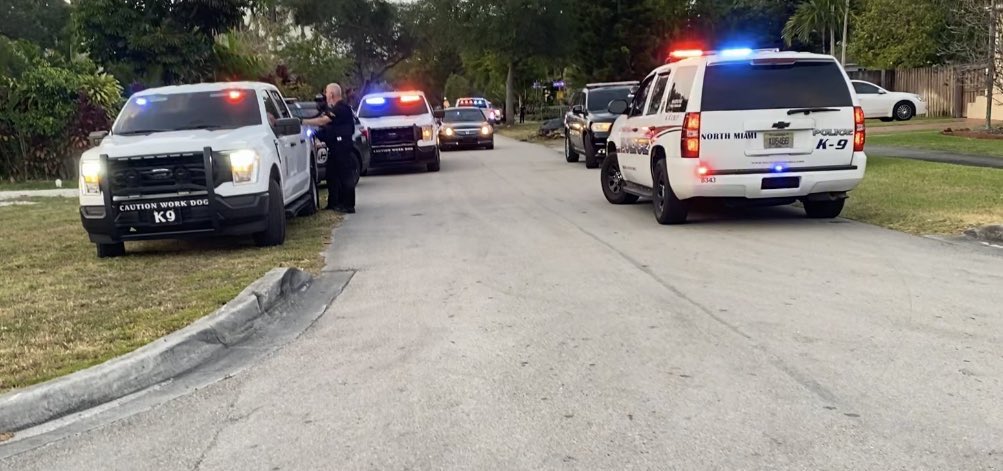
(903, 111)
(660, 190)
(614, 180)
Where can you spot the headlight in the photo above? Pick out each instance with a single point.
(90, 170)
(448, 131)
(244, 166)
(601, 127)
(426, 133)
(485, 130)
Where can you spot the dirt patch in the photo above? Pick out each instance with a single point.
(965, 132)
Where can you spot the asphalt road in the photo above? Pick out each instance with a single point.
(504, 316)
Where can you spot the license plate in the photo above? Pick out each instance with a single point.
(778, 140)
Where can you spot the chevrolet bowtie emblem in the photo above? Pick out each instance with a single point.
(781, 125)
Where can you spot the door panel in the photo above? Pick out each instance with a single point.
(635, 144)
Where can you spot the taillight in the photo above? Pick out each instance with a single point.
(365, 133)
(691, 136)
(859, 133)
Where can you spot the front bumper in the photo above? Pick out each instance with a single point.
(200, 215)
(401, 155)
(457, 140)
(686, 183)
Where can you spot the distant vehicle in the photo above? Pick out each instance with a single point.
(311, 109)
(743, 126)
(493, 114)
(466, 126)
(402, 130)
(197, 160)
(587, 125)
(888, 106)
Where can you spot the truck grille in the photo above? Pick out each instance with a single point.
(158, 174)
(394, 136)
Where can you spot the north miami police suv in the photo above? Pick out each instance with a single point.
(751, 127)
(194, 160)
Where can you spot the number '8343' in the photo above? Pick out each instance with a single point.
(825, 144)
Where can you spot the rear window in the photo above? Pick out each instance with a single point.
(379, 107)
(804, 84)
(463, 116)
(224, 109)
(599, 98)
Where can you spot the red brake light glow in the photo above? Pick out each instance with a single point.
(701, 170)
(234, 95)
(410, 98)
(859, 131)
(690, 143)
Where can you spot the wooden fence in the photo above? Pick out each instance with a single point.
(947, 90)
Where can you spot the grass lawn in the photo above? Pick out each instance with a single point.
(62, 309)
(6, 185)
(927, 198)
(933, 140)
(877, 123)
(526, 132)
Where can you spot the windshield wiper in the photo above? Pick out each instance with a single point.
(142, 131)
(810, 110)
(209, 127)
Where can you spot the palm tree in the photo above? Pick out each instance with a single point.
(822, 17)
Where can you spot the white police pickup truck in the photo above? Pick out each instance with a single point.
(751, 127)
(197, 160)
(402, 130)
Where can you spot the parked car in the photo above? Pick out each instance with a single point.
(745, 127)
(311, 109)
(197, 160)
(466, 126)
(493, 114)
(888, 106)
(587, 125)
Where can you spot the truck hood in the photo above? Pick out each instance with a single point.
(398, 121)
(603, 117)
(179, 141)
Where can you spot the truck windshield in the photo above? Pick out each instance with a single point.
(224, 109)
(379, 107)
(463, 116)
(599, 98)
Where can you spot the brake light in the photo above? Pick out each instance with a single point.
(859, 132)
(365, 133)
(690, 144)
(410, 98)
(703, 170)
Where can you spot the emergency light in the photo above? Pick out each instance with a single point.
(376, 101)
(681, 54)
(410, 98)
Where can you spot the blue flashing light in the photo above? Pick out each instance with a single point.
(141, 101)
(376, 101)
(309, 132)
(778, 168)
(737, 52)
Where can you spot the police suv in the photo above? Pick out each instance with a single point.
(194, 160)
(402, 130)
(762, 127)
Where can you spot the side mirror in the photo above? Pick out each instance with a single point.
(288, 126)
(577, 109)
(319, 99)
(617, 107)
(881, 92)
(439, 114)
(96, 137)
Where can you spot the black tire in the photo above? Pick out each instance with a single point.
(313, 205)
(824, 209)
(612, 182)
(668, 208)
(904, 111)
(490, 146)
(569, 153)
(437, 165)
(591, 159)
(111, 250)
(275, 231)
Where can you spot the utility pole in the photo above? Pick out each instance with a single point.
(846, 22)
(991, 76)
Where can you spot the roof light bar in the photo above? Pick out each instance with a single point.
(376, 101)
(727, 53)
(410, 98)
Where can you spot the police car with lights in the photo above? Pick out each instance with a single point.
(757, 127)
(402, 130)
(195, 160)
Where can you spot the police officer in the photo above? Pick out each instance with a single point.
(337, 125)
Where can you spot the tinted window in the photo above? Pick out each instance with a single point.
(637, 106)
(279, 103)
(804, 84)
(599, 98)
(461, 116)
(682, 86)
(211, 110)
(304, 109)
(392, 106)
(865, 88)
(657, 94)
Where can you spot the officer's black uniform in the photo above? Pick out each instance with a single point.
(341, 164)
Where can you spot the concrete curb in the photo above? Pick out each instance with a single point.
(161, 360)
(992, 234)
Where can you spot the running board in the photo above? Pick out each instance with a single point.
(637, 190)
(296, 207)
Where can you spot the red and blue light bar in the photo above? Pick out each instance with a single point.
(680, 54)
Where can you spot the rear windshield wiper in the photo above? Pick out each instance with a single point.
(810, 110)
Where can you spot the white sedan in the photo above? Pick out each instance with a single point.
(880, 103)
